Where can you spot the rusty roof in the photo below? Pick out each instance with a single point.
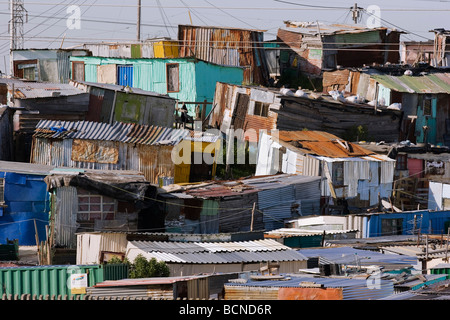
(322, 144)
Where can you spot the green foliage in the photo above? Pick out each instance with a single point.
(117, 260)
(238, 170)
(143, 268)
(356, 133)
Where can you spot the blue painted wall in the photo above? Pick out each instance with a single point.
(27, 200)
(432, 222)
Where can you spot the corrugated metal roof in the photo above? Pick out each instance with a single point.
(296, 232)
(353, 289)
(116, 87)
(26, 168)
(218, 252)
(322, 144)
(316, 28)
(414, 250)
(32, 90)
(177, 247)
(121, 132)
(429, 83)
(348, 255)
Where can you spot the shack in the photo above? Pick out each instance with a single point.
(250, 109)
(148, 48)
(316, 47)
(31, 102)
(179, 155)
(24, 202)
(188, 80)
(307, 287)
(44, 65)
(110, 102)
(258, 203)
(190, 258)
(420, 93)
(95, 200)
(229, 47)
(194, 287)
(352, 176)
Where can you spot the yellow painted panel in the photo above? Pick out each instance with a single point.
(166, 49)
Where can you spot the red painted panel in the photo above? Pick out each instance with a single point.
(415, 167)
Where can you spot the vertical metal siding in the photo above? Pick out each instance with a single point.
(66, 208)
(45, 280)
(125, 75)
(371, 290)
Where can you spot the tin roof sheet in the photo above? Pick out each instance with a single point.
(323, 144)
(429, 83)
(116, 87)
(32, 90)
(121, 132)
(315, 28)
(349, 255)
(218, 252)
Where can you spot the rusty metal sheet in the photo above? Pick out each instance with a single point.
(225, 46)
(258, 123)
(323, 144)
(95, 151)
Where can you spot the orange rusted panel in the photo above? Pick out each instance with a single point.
(310, 294)
(95, 151)
(323, 144)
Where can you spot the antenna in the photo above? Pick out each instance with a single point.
(18, 16)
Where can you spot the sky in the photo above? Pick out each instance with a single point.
(49, 23)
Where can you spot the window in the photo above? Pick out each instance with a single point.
(95, 207)
(29, 73)
(172, 75)
(435, 167)
(391, 227)
(338, 173)
(427, 107)
(261, 109)
(401, 163)
(78, 70)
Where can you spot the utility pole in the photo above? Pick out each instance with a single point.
(16, 33)
(356, 15)
(139, 21)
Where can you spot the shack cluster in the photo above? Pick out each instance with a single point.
(343, 191)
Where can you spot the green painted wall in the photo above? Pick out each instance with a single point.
(197, 78)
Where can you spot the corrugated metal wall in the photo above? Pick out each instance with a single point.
(65, 210)
(232, 47)
(125, 75)
(45, 280)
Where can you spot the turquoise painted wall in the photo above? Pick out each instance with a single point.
(429, 121)
(197, 78)
(207, 75)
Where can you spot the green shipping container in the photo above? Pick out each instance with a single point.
(50, 281)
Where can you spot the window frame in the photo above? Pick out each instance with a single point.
(168, 66)
(101, 204)
(403, 164)
(74, 63)
(262, 107)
